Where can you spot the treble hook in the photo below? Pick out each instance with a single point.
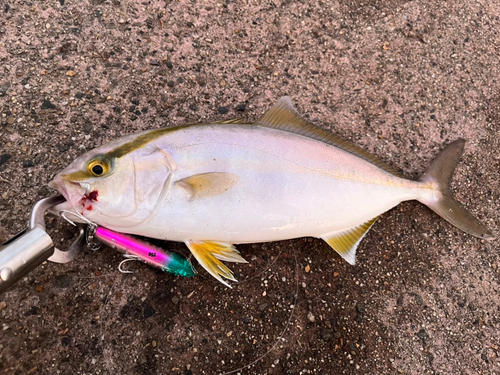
(63, 214)
(129, 258)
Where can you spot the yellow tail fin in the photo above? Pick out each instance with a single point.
(440, 173)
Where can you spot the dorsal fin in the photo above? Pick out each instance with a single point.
(237, 120)
(284, 116)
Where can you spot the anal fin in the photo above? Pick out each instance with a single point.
(210, 253)
(346, 242)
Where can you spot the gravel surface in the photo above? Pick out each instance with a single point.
(398, 78)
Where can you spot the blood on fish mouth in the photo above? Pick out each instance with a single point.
(88, 198)
(92, 195)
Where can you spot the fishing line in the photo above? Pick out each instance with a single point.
(266, 268)
(64, 214)
(280, 337)
(102, 322)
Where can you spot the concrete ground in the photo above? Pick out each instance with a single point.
(398, 78)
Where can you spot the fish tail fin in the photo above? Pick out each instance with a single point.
(440, 173)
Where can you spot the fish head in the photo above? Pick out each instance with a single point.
(95, 184)
(114, 188)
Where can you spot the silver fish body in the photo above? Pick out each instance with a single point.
(214, 185)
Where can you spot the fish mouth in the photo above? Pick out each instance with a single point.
(72, 191)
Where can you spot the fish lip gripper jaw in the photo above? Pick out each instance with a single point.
(31, 247)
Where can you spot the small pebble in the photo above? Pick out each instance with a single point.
(3, 88)
(149, 311)
(32, 311)
(169, 64)
(29, 164)
(223, 110)
(310, 317)
(4, 158)
(48, 105)
(326, 334)
(360, 308)
(63, 280)
(201, 81)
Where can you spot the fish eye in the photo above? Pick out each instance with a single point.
(97, 170)
(98, 167)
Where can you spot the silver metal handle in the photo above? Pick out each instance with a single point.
(30, 248)
(23, 255)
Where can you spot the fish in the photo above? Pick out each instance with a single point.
(218, 184)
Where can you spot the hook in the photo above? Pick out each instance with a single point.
(129, 258)
(78, 215)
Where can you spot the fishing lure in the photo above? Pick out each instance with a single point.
(152, 255)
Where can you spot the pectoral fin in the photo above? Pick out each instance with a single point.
(346, 242)
(208, 184)
(209, 254)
